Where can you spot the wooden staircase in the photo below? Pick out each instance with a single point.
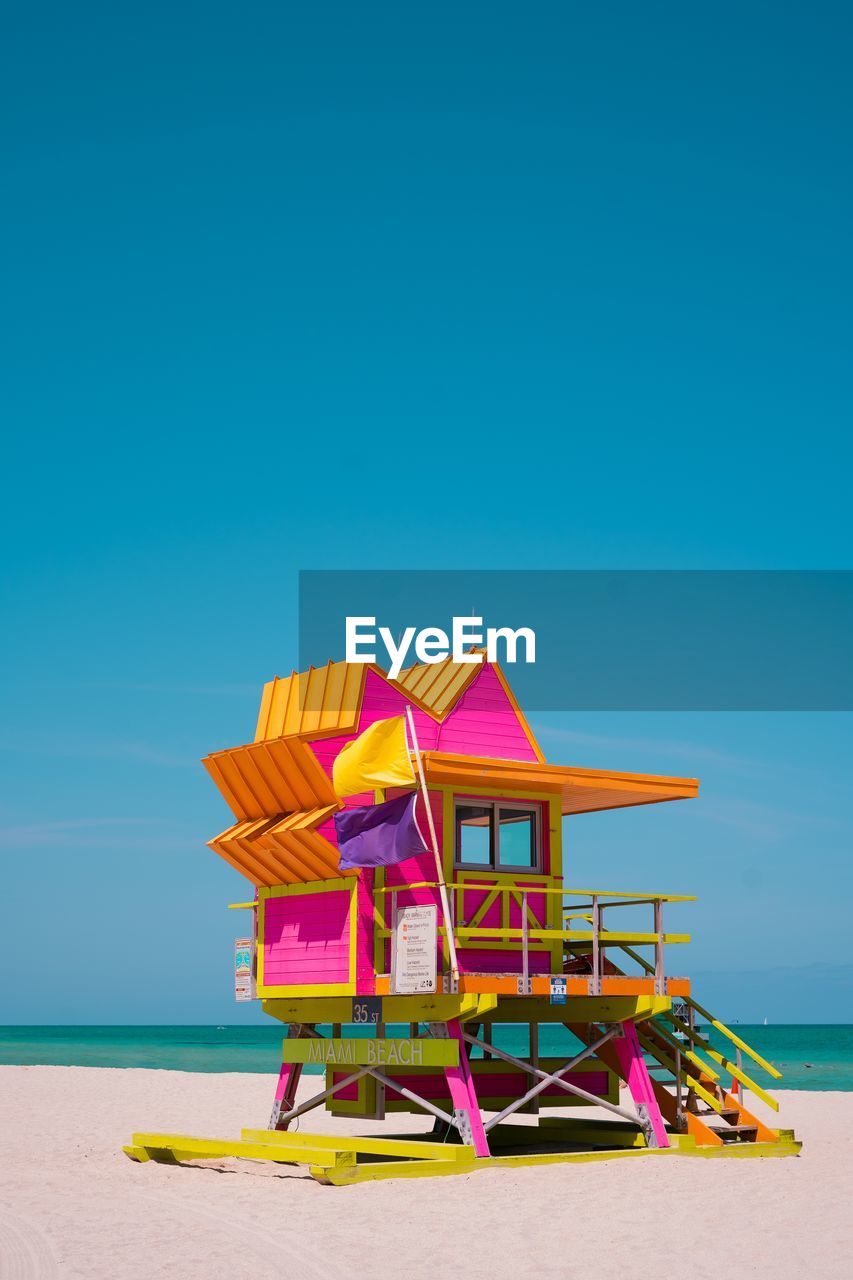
(693, 1099)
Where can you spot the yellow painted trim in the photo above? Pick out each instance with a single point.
(447, 839)
(353, 935)
(555, 853)
(187, 1148)
(448, 834)
(428, 1008)
(311, 886)
(404, 1147)
(306, 991)
(380, 920)
(497, 793)
(259, 957)
(505, 879)
(555, 833)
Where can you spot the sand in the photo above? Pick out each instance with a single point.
(71, 1204)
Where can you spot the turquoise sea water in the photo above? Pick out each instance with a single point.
(810, 1057)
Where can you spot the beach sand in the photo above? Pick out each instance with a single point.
(72, 1204)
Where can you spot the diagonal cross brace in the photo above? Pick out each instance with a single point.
(546, 1079)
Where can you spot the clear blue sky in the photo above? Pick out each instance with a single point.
(368, 286)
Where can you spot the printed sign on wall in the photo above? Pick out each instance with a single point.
(244, 982)
(413, 958)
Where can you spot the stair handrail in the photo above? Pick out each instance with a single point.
(730, 1067)
(735, 1039)
(714, 1022)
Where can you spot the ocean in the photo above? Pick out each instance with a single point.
(809, 1057)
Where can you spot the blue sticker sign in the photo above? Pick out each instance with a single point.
(558, 991)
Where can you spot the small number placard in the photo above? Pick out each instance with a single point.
(367, 1010)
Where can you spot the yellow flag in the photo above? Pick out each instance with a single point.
(379, 757)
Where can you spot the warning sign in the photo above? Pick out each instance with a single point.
(413, 958)
(244, 982)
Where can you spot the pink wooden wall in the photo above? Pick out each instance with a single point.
(307, 936)
(483, 723)
(306, 939)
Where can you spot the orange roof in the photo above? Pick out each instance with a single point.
(285, 849)
(580, 790)
(324, 701)
(280, 794)
(320, 700)
(265, 779)
(437, 686)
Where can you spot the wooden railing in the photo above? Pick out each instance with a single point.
(673, 1040)
(595, 939)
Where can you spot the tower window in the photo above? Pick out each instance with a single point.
(498, 835)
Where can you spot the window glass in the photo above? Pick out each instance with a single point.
(474, 835)
(517, 840)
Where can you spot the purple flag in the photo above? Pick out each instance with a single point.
(377, 835)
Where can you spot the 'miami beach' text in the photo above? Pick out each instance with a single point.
(432, 644)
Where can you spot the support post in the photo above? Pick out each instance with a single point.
(690, 1104)
(534, 1061)
(525, 943)
(660, 980)
(636, 1075)
(288, 1082)
(463, 1095)
(595, 981)
(741, 1085)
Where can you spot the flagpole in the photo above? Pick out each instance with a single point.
(442, 887)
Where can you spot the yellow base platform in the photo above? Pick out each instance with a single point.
(342, 1161)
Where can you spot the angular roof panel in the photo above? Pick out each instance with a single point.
(437, 686)
(321, 700)
(285, 849)
(324, 701)
(265, 779)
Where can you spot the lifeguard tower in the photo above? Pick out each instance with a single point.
(399, 980)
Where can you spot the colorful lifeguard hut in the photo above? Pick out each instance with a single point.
(392, 976)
